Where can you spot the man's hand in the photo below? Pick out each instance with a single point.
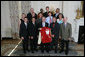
(22, 38)
(31, 37)
(69, 39)
(59, 37)
(52, 35)
(39, 29)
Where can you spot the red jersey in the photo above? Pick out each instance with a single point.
(46, 35)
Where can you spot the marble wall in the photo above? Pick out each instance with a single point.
(25, 6)
(5, 19)
(37, 5)
(10, 15)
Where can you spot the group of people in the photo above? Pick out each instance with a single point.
(30, 25)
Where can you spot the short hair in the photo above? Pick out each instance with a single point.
(60, 14)
(47, 6)
(41, 9)
(57, 9)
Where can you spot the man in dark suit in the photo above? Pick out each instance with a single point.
(24, 34)
(57, 12)
(55, 33)
(47, 10)
(65, 34)
(33, 35)
(31, 14)
(40, 25)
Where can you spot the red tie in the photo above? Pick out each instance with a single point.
(50, 19)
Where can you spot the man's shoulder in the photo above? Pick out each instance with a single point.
(29, 13)
(68, 23)
(46, 23)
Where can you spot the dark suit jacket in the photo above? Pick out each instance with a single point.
(40, 25)
(33, 29)
(46, 14)
(29, 16)
(55, 29)
(23, 31)
(21, 23)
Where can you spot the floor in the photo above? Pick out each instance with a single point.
(7, 46)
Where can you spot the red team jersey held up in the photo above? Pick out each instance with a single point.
(46, 35)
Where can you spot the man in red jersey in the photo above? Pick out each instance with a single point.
(45, 38)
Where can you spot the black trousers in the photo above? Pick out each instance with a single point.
(54, 43)
(45, 46)
(33, 44)
(25, 44)
(65, 43)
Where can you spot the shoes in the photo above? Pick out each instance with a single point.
(47, 51)
(32, 51)
(55, 51)
(66, 53)
(61, 51)
(42, 51)
(28, 50)
(24, 52)
(36, 50)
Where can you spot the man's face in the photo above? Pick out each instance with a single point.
(47, 9)
(33, 19)
(65, 19)
(32, 10)
(43, 19)
(57, 10)
(54, 19)
(25, 19)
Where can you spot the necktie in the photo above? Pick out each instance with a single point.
(50, 19)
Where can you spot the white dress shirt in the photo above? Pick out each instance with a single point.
(25, 25)
(48, 20)
(43, 24)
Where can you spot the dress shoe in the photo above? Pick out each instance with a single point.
(47, 51)
(32, 51)
(66, 53)
(61, 51)
(36, 50)
(24, 52)
(55, 51)
(28, 50)
(42, 51)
